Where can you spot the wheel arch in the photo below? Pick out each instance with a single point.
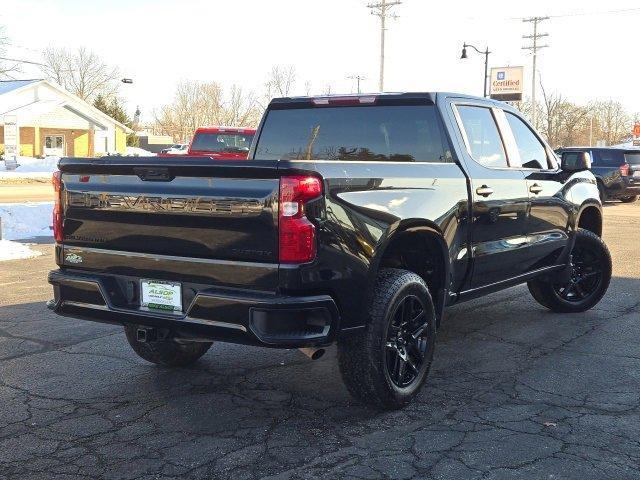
(590, 218)
(418, 246)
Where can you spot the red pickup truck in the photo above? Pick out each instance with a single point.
(227, 143)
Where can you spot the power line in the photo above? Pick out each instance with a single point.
(381, 10)
(534, 47)
(22, 61)
(604, 12)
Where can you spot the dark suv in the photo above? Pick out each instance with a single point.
(617, 171)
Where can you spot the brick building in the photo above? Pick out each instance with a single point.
(53, 121)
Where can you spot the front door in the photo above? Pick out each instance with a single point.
(54, 145)
(500, 200)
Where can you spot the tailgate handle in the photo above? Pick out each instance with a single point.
(153, 174)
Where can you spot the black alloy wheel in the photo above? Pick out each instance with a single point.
(407, 342)
(590, 271)
(586, 275)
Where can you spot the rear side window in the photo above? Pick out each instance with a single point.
(608, 158)
(408, 133)
(532, 151)
(484, 139)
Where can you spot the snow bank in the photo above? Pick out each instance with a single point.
(139, 152)
(26, 220)
(32, 165)
(14, 251)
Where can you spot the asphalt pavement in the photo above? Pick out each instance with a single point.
(516, 392)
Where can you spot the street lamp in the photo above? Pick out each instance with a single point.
(486, 63)
(127, 80)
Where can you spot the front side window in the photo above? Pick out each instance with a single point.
(397, 133)
(485, 144)
(532, 151)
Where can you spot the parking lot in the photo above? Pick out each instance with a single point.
(515, 392)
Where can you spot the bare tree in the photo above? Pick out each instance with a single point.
(612, 122)
(81, 71)
(280, 83)
(6, 68)
(196, 104)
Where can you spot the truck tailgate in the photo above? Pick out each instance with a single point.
(175, 213)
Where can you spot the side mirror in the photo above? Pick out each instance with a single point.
(576, 161)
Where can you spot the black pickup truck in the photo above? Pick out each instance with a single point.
(355, 220)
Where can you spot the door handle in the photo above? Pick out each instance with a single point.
(484, 191)
(535, 188)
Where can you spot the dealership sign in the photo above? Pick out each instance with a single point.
(506, 84)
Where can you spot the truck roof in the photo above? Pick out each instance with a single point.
(384, 97)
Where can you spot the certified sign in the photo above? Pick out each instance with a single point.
(506, 84)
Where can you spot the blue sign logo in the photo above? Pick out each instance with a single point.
(501, 75)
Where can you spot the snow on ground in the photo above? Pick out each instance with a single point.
(26, 220)
(139, 152)
(14, 251)
(29, 167)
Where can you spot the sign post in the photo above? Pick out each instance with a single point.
(11, 142)
(506, 84)
(636, 135)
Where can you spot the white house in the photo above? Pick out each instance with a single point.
(52, 121)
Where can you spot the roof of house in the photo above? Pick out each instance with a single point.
(9, 85)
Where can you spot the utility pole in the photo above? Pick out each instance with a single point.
(381, 9)
(534, 47)
(357, 78)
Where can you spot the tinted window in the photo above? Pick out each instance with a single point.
(608, 158)
(484, 139)
(221, 142)
(532, 151)
(365, 133)
(572, 158)
(632, 158)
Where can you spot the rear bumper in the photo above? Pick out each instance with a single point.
(254, 318)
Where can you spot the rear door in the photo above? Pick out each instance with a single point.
(499, 197)
(548, 218)
(606, 166)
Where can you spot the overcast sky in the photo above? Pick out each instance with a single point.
(158, 42)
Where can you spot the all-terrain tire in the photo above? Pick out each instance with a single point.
(169, 352)
(546, 293)
(362, 357)
(629, 199)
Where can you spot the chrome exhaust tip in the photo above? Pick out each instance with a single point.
(312, 353)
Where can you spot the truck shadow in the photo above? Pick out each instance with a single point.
(484, 349)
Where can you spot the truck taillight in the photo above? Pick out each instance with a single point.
(56, 180)
(297, 235)
(624, 170)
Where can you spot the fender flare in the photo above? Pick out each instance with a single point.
(395, 231)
